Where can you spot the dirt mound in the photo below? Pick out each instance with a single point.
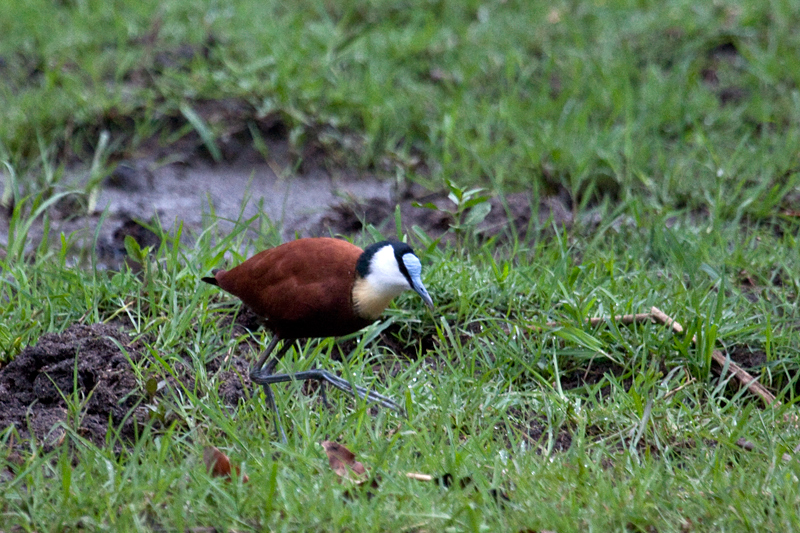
(82, 364)
(81, 379)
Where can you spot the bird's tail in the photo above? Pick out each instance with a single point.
(210, 279)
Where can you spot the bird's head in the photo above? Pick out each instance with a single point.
(383, 271)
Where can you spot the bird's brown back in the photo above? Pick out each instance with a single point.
(303, 288)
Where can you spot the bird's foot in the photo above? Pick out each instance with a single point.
(258, 376)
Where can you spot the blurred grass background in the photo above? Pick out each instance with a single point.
(677, 104)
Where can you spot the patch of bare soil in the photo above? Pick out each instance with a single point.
(747, 357)
(722, 58)
(306, 191)
(82, 379)
(517, 213)
(83, 365)
(536, 430)
(592, 374)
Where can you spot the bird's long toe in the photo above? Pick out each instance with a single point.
(361, 392)
(263, 378)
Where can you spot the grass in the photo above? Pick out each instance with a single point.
(676, 124)
(684, 104)
(646, 441)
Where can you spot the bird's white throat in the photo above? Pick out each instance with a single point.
(384, 281)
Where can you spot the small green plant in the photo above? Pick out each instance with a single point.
(10, 345)
(470, 207)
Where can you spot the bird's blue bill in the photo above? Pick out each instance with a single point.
(420, 288)
(414, 268)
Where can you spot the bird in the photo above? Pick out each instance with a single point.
(320, 287)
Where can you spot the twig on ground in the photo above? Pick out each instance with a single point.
(659, 316)
(741, 375)
(622, 319)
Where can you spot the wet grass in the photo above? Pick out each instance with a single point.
(675, 122)
(686, 105)
(607, 427)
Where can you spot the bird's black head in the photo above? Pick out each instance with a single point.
(365, 261)
(392, 266)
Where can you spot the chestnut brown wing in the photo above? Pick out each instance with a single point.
(303, 288)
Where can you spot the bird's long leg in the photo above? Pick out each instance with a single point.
(267, 378)
(257, 370)
(268, 350)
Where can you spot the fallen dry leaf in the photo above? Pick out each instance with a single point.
(343, 462)
(219, 465)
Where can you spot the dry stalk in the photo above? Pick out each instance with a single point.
(658, 316)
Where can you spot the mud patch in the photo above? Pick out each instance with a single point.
(82, 364)
(538, 432)
(316, 198)
(203, 193)
(722, 63)
(593, 373)
(747, 357)
(169, 189)
(86, 367)
(514, 214)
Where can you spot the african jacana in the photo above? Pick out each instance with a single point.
(320, 287)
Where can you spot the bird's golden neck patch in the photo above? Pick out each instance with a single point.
(368, 301)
